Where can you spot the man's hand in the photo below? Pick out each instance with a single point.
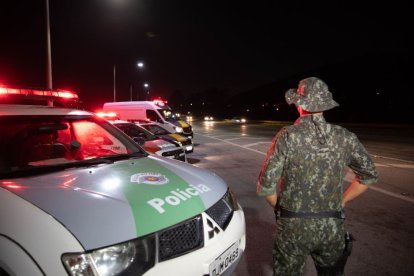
(272, 200)
(354, 190)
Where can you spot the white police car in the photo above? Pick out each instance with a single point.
(79, 197)
(150, 142)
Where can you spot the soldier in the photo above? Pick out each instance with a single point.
(301, 179)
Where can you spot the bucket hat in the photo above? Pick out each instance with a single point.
(311, 95)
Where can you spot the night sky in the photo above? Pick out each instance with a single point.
(193, 46)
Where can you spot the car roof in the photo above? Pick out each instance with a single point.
(150, 124)
(154, 125)
(16, 109)
(120, 122)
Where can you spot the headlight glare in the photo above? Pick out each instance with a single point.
(165, 145)
(130, 258)
(114, 259)
(232, 200)
(178, 129)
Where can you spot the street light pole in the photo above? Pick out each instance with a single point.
(146, 85)
(130, 92)
(140, 65)
(114, 83)
(48, 50)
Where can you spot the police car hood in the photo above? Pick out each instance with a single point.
(112, 203)
(178, 137)
(181, 123)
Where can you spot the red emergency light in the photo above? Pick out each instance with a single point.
(159, 101)
(107, 115)
(34, 92)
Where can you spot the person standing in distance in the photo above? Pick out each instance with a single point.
(301, 178)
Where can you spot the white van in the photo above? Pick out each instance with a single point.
(144, 111)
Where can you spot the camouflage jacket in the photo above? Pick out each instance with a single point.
(306, 163)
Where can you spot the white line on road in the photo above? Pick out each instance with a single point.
(391, 158)
(347, 177)
(394, 165)
(350, 176)
(228, 142)
(218, 136)
(392, 194)
(256, 144)
(238, 138)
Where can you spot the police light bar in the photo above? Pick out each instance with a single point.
(45, 93)
(109, 115)
(160, 102)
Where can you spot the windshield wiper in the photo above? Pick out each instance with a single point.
(123, 156)
(34, 170)
(109, 159)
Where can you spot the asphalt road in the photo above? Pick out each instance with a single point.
(381, 220)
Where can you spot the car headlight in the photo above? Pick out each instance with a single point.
(178, 143)
(232, 200)
(178, 129)
(165, 145)
(129, 258)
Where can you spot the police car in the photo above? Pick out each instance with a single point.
(159, 131)
(149, 141)
(152, 143)
(80, 197)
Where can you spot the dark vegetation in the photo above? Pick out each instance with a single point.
(374, 89)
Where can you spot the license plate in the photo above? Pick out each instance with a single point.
(225, 260)
(189, 148)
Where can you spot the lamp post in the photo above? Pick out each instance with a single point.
(48, 50)
(146, 88)
(114, 83)
(140, 65)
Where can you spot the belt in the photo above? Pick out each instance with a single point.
(283, 213)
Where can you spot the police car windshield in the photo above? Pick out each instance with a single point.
(169, 115)
(156, 129)
(133, 130)
(37, 141)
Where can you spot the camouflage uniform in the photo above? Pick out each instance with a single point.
(305, 166)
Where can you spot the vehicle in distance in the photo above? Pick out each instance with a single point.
(80, 197)
(156, 111)
(208, 118)
(150, 142)
(185, 142)
(239, 120)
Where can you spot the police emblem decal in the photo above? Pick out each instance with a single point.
(150, 178)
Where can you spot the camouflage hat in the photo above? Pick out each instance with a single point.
(311, 95)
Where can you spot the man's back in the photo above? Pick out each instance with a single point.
(318, 154)
(301, 179)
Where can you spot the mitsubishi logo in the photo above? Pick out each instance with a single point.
(211, 229)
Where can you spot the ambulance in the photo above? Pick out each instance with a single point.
(156, 111)
(80, 197)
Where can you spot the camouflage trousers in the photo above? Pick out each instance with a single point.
(297, 238)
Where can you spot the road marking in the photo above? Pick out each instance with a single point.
(400, 166)
(256, 144)
(217, 136)
(392, 194)
(238, 138)
(391, 158)
(348, 176)
(234, 144)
